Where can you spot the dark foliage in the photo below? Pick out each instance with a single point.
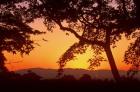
(15, 34)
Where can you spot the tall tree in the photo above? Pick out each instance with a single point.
(14, 32)
(101, 22)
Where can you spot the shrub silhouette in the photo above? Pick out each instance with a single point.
(85, 77)
(30, 76)
(10, 76)
(68, 77)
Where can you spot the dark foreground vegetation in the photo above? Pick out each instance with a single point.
(30, 82)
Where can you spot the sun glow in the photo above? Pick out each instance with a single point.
(47, 54)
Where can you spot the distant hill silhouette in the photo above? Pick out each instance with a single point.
(77, 73)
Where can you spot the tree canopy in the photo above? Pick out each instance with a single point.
(15, 34)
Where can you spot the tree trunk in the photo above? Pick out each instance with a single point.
(113, 66)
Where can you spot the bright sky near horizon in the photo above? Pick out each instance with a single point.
(47, 54)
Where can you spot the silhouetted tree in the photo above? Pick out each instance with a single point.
(101, 25)
(14, 32)
(96, 23)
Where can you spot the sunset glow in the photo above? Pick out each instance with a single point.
(47, 54)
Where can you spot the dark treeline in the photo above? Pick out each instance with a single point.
(67, 83)
(56, 85)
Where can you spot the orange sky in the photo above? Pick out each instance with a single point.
(47, 54)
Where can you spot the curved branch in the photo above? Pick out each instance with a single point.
(100, 43)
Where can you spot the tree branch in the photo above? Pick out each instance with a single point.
(100, 43)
